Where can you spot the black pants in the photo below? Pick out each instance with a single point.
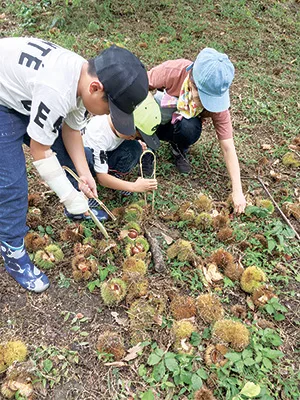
(182, 134)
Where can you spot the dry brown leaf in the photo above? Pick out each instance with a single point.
(293, 147)
(116, 364)
(212, 273)
(184, 345)
(26, 389)
(123, 234)
(120, 321)
(133, 352)
(266, 146)
(158, 320)
(275, 175)
(250, 303)
(167, 238)
(110, 246)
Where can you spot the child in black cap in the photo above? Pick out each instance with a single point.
(44, 86)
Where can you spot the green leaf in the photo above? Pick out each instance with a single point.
(66, 317)
(47, 365)
(148, 395)
(269, 308)
(247, 353)
(271, 244)
(267, 363)
(250, 390)
(153, 359)
(239, 365)
(206, 333)
(196, 382)
(272, 354)
(75, 328)
(171, 364)
(275, 340)
(142, 370)
(233, 356)
(159, 371)
(279, 317)
(186, 377)
(202, 373)
(249, 361)
(103, 274)
(49, 230)
(195, 339)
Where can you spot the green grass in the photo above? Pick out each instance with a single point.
(262, 40)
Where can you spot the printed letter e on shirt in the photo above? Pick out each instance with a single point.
(41, 115)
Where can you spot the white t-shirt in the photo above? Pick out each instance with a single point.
(100, 138)
(40, 79)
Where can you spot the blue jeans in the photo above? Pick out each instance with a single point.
(182, 134)
(121, 160)
(13, 178)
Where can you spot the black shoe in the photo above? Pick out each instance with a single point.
(148, 165)
(181, 163)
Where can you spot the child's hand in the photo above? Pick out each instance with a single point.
(88, 186)
(145, 185)
(143, 144)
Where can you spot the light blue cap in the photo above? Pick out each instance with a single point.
(213, 73)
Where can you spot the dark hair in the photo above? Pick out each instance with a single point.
(91, 67)
(92, 72)
(105, 97)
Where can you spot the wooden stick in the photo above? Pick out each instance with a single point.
(101, 204)
(93, 216)
(158, 259)
(278, 208)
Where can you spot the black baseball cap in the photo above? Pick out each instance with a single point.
(125, 82)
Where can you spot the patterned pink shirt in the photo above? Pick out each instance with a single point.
(169, 76)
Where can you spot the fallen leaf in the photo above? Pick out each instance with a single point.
(133, 352)
(212, 273)
(167, 238)
(143, 45)
(110, 246)
(163, 39)
(250, 303)
(120, 321)
(266, 146)
(250, 390)
(158, 320)
(185, 346)
(275, 175)
(116, 364)
(123, 234)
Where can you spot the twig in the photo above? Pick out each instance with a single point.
(278, 208)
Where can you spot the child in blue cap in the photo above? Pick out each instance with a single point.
(188, 93)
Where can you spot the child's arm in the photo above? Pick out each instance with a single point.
(233, 169)
(140, 185)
